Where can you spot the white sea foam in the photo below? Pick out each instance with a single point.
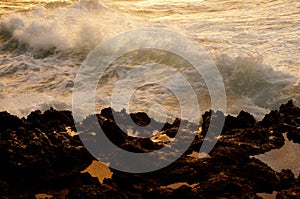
(42, 49)
(81, 25)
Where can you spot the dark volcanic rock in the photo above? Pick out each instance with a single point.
(255, 140)
(116, 135)
(286, 120)
(95, 192)
(50, 121)
(263, 177)
(292, 186)
(31, 157)
(229, 155)
(115, 126)
(243, 132)
(141, 119)
(86, 186)
(294, 135)
(292, 193)
(224, 185)
(229, 172)
(286, 179)
(184, 192)
(9, 121)
(34, 155)
(242, 121)
(4, 188)
(38, 155)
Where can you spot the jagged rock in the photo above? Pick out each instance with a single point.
(184, 191)
(31, 157)
(207, 117)
(37, 153)
(50, 121)
(286, 179)
(225, 185)
(294, 135)
(242, 121)
(291, 192)
(85, 186)
(255, 140)
(9, 121)
(35, 156)
(140, 118)
(286, 120)
(229, 155)
(261, 175)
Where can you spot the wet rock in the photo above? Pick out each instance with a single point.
(50, 121)
(116, 135)
(286, 120)
(293, 191)
(225, 185)
(35, 156)
(185, 169)
(264, 178)
(286, 179)
(196, 144)
(229, 155)
(9, 121)
(184, 192)
(38, 154)
(294, 135)
(85, 186)
(86, 191)
(242, 121)
(171, 132)
(219, 176)
(31, 157)
(76, 180)
(229, 166)
(255, 140)
(140, 118)
(114, 125)
(159, 193)
(129, 121)
(215, 129)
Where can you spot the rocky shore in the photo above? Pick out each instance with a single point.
(40, 154)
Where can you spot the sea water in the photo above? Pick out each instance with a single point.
(254, 44)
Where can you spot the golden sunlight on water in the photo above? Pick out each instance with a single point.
(12, 6)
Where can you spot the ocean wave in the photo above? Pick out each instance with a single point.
(78, 27)
(250, 85)
(248, 76)
(45, 47)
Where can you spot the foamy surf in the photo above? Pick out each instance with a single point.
(78, 27)
(42, 49)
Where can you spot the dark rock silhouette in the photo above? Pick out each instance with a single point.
(38, 154)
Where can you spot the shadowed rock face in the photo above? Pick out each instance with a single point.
(286, 120)
(292, 187)
(38, 150)
(39, 155)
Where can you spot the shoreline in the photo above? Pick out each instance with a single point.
(40, 155)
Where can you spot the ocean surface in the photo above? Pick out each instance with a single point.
(255, 45)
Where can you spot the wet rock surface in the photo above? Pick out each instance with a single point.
(38, 155)
(292, 189)
(286, 120)
(38, 150)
